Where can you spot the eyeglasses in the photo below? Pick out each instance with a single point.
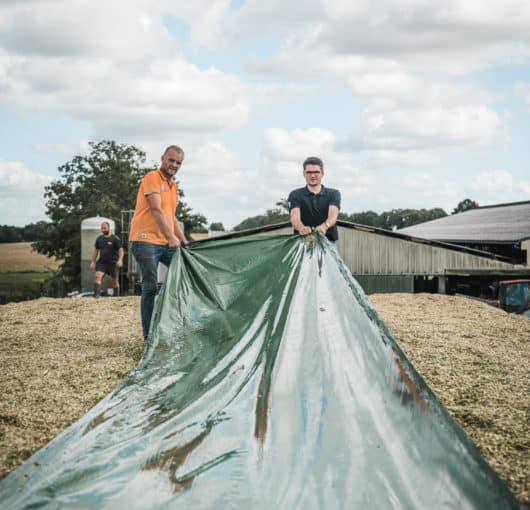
(313, 172)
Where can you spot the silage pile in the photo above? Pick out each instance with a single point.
(476, 358)
(60, 356)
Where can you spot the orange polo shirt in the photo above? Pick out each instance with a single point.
(143, 225)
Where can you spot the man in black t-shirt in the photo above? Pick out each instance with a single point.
(314, 206)
(110, 259)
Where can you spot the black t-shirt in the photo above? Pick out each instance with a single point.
(108, 248)
(314, 207)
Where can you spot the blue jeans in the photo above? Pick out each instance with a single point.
(148, 256)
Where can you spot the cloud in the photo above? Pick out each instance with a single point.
(435, 127)
(400, 158)
(205, 17)
(86, 28)
(274, 18)
(295, 145)
(284, 152)
(173, 95)
(21, 194)
(490, 182)
(498, 186)
(429, 189)
(525, 187)
(143, 73)
(416, 33)
(64, 149)
(522, 89)
(216, 184)
(404, 61)
(377, 183)
(117, 67)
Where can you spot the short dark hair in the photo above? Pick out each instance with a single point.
(173, 147)
(313, 160)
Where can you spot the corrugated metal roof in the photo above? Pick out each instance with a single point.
(501, 223)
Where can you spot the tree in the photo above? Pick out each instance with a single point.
(216, 227)
(193, 222)
(283, 204)
(395, 218)
(9, 234)
(401, 218)
(465, 205)
(271, 217)
(369, 218)
(36, 231)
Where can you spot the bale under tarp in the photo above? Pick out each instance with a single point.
(269, 382)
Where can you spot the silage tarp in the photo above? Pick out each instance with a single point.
(270, 382)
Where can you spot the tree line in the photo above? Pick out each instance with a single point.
(31, 232)
(387, 220)
(105, 181)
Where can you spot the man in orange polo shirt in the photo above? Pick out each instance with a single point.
(155, 232)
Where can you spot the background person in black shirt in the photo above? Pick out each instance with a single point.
(314, 206)
(110, 251)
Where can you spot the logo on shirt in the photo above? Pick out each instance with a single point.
(162, 188)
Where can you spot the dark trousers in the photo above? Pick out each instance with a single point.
(148, 256)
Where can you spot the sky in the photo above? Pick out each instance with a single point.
(410, 103)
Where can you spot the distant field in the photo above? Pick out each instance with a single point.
(20, 258)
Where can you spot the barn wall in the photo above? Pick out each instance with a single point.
(372, 253)
(372, 284)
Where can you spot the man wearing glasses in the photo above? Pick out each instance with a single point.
(314, 207)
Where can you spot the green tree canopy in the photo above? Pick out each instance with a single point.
(395, 218)
(216, 227)
(271, 217)
(31, 232)
(193, 222)
(388, 220)
(9, 234)
(36, 231)
(465, 205)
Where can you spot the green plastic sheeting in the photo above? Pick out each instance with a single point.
(269, 383)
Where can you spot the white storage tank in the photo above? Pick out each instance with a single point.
(90, 230)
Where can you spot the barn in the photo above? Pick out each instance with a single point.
(461, 253)
(503, 229)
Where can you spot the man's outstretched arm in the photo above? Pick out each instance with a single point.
(296, 222)
(333, 214)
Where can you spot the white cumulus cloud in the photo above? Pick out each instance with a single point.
(21, 194)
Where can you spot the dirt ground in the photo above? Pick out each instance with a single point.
(61, 356)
